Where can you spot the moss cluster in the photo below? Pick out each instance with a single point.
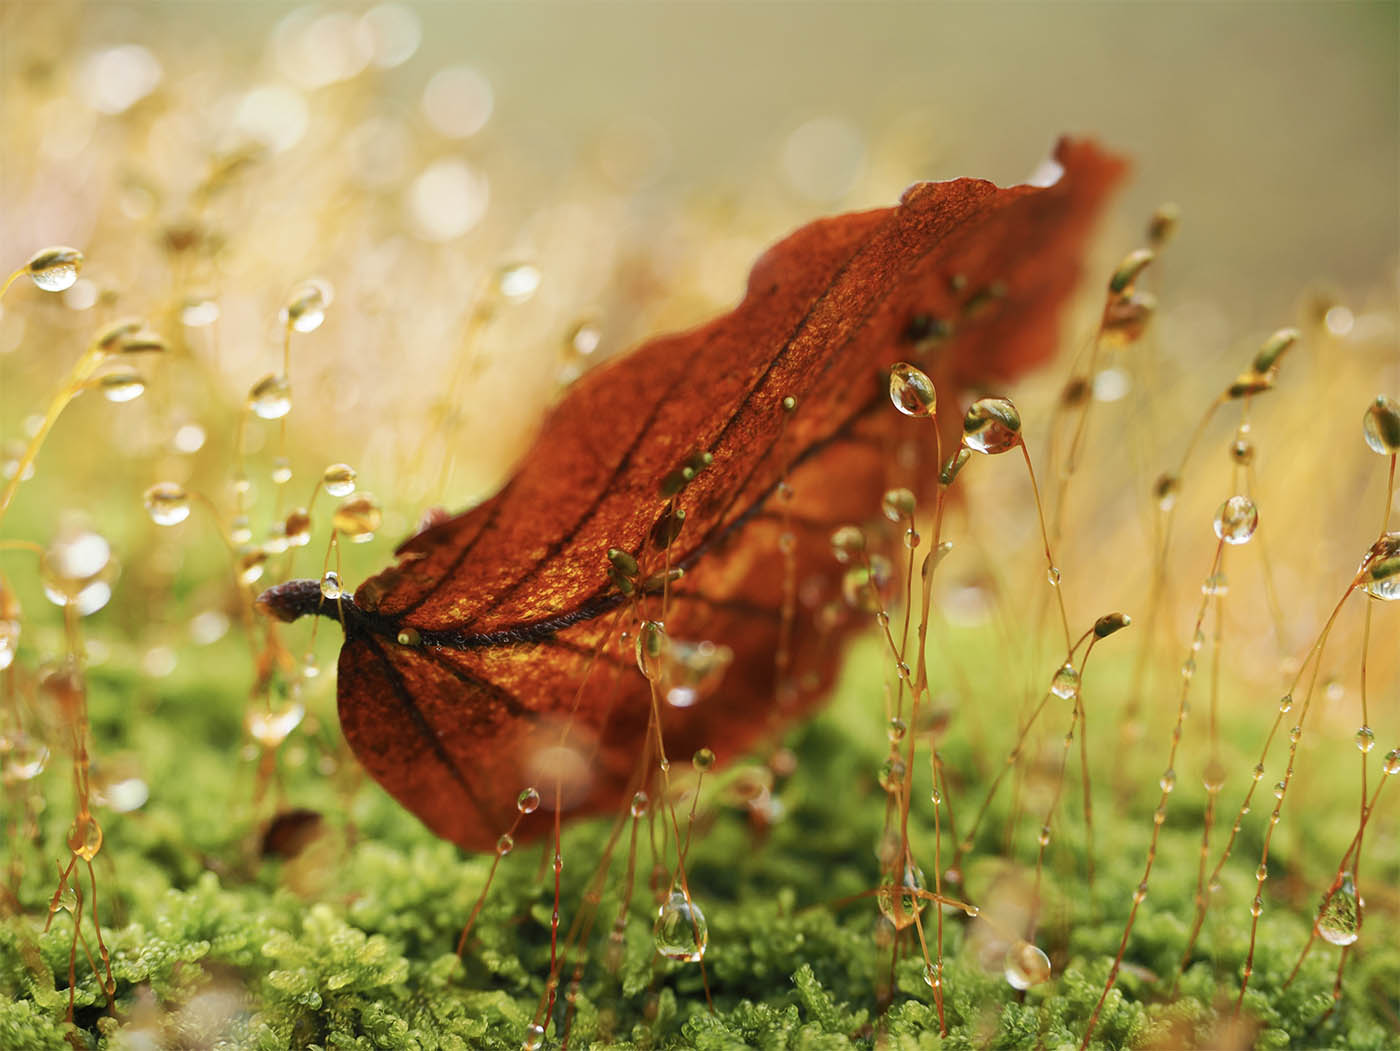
(349, 944)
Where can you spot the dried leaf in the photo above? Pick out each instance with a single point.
(504, 608)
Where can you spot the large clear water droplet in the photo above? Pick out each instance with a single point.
(1236, 519)
(1340, 919)
(681, 932)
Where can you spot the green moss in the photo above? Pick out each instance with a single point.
(350, 946)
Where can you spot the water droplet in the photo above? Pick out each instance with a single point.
(1167, 781)
(199, 312)
(1380, 569)
(1025, 965)
(1215, 584)
(1125, 319)
(1392, 762)
(77, 570)
(306, 307)
(847, 543)
(409, 637)
(1140, 894)
(891, 776)
(167, 503)
(518, 282)
(1285, 703)
(1256, 907)
(271, 397)
(703, 759)
(1280, 787)
(896, 730)
(310, 667)
(640, 803)
(25, 758)
(1164, 490)
(297, 528)
(534, 1037)
(1236, 519)
(505, 844)
(9, 626)
(1065, 683)
(1242, 451)
(1381, 426)
(651, 647)
(1261, 873)
(681, 932)
(861, 585)
(912, 391)
(1339, 921)
(357, 518)
(898, 504)
(330, 585)
(991, 426)
(270, 726)
(1053, 576)
(339, 480)
(85, 837)
(896, 902)
(55, 269)
(1188, 668)
(281, 471)
(1044, 837)
(122, 385)
(1213, 776)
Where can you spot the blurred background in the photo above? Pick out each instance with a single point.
(501, 195)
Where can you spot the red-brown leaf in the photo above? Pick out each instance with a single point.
(512, 598)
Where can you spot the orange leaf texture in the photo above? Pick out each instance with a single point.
(695, 482)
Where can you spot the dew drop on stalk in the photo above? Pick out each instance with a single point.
(505, 844)
(85, 837)
(1236, 519)
(55, 269)
(1025, 965)
(1164, 491)
(357, 518)
(251, 564)
(991, 426)
(297, 528)
(528, 801)
(9, 625)
(1065, 683)
(1215, 584)
(1381, 426)
(270, 726)
(681, 932)
(518, 281)
(338, 480)
(1365, 739)
(330, 585)
(167, 503)
(1380, 569)
(270, 398)
(198, 312)
(240, 531)
(898, 504)
(651, 648)
(121, 385)
(896, 729)
(847, 543)
(1167, 782)
(281, 471)
(1340, 919)
(306, 307)
(891, 775)
(911, 391)
(901, 902)
(1392, 762)
(861, 586)
(640, 804)
(26, 759)
(534, 1037)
